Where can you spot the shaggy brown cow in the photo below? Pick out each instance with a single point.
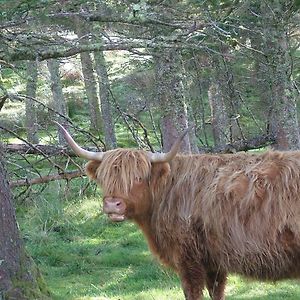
(207, 215)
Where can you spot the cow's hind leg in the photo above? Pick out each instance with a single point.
(215, 283)
(193, 282)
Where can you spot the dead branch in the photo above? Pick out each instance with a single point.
(37, 149)
(50, 150)
(244, 145)
(33, 147)
(93, 138)
(145, 132)
(46, 179)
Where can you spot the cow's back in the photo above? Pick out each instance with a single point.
(252, 210)
(240, 212)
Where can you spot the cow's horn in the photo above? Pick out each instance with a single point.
(77, 149)
(166, 157)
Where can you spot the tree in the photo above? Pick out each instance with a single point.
(57, 94)
(19, 277)
(103, 81)
(278, 63)
(229, 102)
(83, 31)
(219, 119)
(171, 98)
(31, 117)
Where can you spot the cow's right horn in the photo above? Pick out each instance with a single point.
(166, 157)
(77, 149)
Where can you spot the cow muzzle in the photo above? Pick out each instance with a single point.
(115, 208)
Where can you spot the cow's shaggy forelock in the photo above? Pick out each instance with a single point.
(120, 169)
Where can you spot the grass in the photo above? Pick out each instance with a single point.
(83, 256)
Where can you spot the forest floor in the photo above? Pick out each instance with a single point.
(83, 256)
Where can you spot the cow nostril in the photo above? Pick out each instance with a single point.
(118, 203)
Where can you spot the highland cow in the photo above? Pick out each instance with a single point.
(207, 215)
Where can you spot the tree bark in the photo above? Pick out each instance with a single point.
(30, 108)
(284, 124)
(224, 80)
(171, 98)
(108, 123)
(19, 277)
(219, 118)
(90, 83)
(58, 97)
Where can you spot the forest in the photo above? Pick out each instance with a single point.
(129, 74)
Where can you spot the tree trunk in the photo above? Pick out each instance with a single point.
(189, 110)
(219, 118)
(19, 277)
(263, 84)
(30, 109)
(225, 84)
(88, 77)
(108, 123)
(171, 98)
(278, 65)
(58, 97)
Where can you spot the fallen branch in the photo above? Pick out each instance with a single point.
(244, 145)
(49, 150)
(46, 179)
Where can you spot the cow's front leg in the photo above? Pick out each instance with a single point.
(192, 281)
(215, 283)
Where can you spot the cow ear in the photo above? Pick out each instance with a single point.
(91, 168)
(160, 171)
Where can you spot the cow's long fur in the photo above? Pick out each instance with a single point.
(218, 213)
(247, 205)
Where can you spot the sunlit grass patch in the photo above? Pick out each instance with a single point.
(241, 288)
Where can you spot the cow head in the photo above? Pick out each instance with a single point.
(126, 176)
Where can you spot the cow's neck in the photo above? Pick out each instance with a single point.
(156, 248)
(144, 224)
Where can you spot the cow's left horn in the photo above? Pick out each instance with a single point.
(166, 157)
(77, 149)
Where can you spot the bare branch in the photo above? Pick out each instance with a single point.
(93, 138)
(127, 19)
(46, 179)
(41, 52)
(33, 147)
(50, 150)
(244, 145)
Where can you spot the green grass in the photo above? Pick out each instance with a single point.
(84, 256)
